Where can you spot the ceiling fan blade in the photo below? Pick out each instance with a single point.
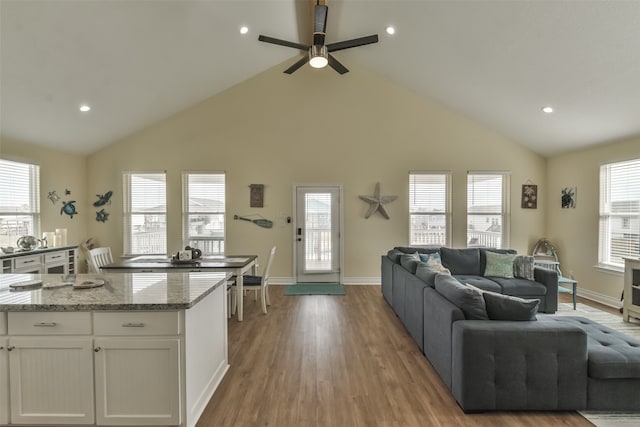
(285, 43)
(319, 24)
(336, 65)
(347, 44)
(297, 65)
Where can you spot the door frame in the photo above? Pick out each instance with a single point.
(295, 226)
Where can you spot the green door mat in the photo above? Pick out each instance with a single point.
(315, 289)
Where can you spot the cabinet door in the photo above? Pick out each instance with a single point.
(137, 381)
(4, 381)
(51, 380)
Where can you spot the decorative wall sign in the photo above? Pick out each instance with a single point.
(569, 195)
(529, 196)
(377, 202)
(257, 196)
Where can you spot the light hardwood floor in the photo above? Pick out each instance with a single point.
(339, 361)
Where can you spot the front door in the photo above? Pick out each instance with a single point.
(317, 234)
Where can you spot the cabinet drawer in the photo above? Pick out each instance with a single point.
(137, 323)
(3, 323)
(26, 261)
(55, 257)
(49, 323)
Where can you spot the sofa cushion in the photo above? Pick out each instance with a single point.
(520, 287)
(499, 265)
(426, 274)
(507, 307)
(461, 261)
(483, 283)
(468, 300)
(410, 262)
(523, 267)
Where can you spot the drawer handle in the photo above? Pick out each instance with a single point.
(29, 261)
(11, 348)
(48, 324)
(97, 349)
(133, 325)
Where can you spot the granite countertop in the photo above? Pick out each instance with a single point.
(18, 253)
(121, 291)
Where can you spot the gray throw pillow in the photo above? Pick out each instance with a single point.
(410, 262)
(523, 267)
(507, 307)
(426, 274)
(468, 300)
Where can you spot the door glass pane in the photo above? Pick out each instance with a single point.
(317, 232)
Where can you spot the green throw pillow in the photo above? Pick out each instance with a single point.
(499, 265)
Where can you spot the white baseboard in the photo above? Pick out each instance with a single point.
(597, 297)
(347, 281)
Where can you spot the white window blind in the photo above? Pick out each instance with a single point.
(488, 209)
(429, 208)
(203, 211)
(19, 201)
(145, 213)
(619, 212)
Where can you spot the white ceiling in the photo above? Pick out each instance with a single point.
(138, 61)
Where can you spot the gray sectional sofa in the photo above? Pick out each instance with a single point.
(543, 363)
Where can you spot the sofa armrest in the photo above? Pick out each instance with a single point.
(549, 278)
(505, 365)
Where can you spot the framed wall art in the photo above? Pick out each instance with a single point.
(529, 196)
(256, 199)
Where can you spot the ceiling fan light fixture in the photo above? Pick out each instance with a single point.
(318, 56)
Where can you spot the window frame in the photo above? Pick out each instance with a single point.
(505, 210)
(34, 196)
(447, 205)
(607, 213)
(186, 212)
(128, 212)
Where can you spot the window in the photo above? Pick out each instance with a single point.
(488, 209)
(619, 212)
(203, 211)
(145, 213)
(429, 208)
(19, 201)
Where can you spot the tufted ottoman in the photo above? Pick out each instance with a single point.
(613, 366)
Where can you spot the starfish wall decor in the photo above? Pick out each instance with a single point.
(377, 202)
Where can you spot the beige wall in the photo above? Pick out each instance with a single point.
(320, 128)
(58, 171)
(575, 231)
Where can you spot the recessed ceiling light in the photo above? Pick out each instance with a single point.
(85, 108)
(244, 29)
(547, 109)
(390, 30)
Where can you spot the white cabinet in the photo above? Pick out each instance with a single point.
(631, 303)
(137, 381)
(51, 380)
(4, 371)
(45, 261)
(137, 363)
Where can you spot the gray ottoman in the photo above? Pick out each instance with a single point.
(613, 366)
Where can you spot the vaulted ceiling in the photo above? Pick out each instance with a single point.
(499, 62)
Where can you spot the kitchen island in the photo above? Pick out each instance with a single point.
(141, 349)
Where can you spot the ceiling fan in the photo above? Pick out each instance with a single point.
(319, 55)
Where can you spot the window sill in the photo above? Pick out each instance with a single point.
(610, 269)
